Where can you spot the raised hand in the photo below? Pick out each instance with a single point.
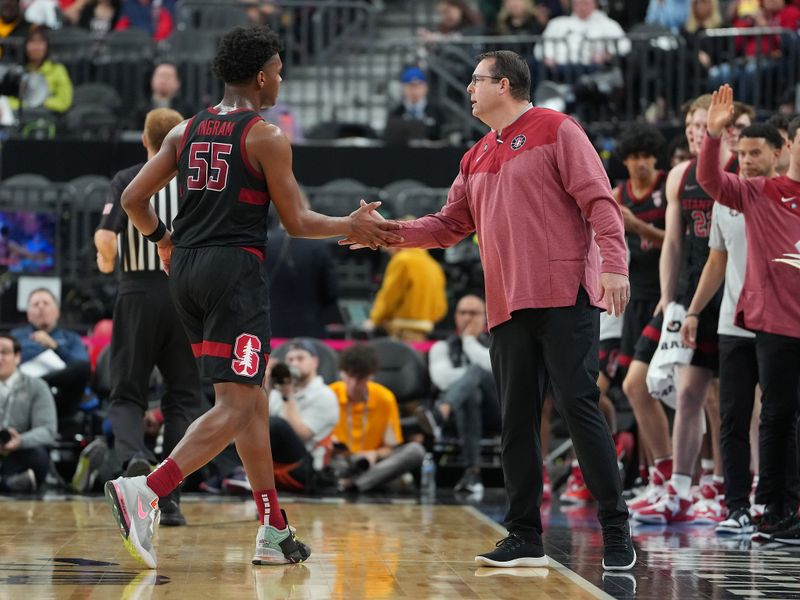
(369, 229)
(720, 112)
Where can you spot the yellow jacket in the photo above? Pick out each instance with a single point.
(412, 292)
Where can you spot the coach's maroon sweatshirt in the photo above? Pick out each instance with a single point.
(770, 298)
(533, 192)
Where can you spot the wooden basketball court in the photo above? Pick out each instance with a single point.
(70, 548)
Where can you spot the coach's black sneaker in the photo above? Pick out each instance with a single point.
(738, 522)
(170, 505)
(789, 536)
(514, 551)
(618, 552)
(772, 523)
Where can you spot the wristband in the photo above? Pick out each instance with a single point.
(156, 236)
(695, 315)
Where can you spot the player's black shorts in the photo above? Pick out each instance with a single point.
(647, 344)
(705, 355)
(222, 297)
(636, 317)
(707, 352)
(609, 359)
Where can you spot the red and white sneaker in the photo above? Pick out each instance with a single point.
(650, 496)
(576, 491)
(671, 508)
(710, 512)
(709, 490)
(547, 487)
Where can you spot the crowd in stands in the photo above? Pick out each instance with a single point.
(578, 39)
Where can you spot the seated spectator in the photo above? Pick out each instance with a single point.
(416, 107)
(156, 18)
(56, 352)
(99, 17)
(758, 66)
(368, 442)
(772, 13)
(27, 423)
(165, 87)
(671, 14)
(461, 369)
(37, 51)
(45, 13)
(455, 18)
(704, 52)
(522, 17)
(587, 38)
(412, 297)
(303, 412)
(13, 26)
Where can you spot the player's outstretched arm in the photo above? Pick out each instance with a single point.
(270, 148)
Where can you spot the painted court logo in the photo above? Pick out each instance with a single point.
(518, 142)
(247, 351)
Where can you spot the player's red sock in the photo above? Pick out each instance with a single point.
(269, 510)
(165, 478)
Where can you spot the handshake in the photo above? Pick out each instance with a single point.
(368, 229)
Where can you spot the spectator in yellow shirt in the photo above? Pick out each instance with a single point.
(369, 426)
(412, 296)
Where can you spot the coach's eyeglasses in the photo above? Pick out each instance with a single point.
(477, 78)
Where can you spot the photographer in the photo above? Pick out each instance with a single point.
(303, 412)
(27, 423)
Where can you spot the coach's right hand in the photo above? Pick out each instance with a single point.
(164, 247)
(369, 229)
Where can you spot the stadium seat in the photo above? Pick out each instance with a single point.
(402, 370)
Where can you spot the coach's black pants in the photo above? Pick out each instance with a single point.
(738, 378)
(559, 344)
(147, 333)
(779, 374)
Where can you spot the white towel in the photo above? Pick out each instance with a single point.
(671, 351)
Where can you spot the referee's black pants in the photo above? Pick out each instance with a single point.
(147, 333)
(738, 378)
(779, 374)
(559, 345)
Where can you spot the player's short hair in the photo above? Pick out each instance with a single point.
(794, 125)
(740, 108)
(359, 361)
(640, 139)
(158, 123)
(679, 141)
(513, 67)
(762, 130)
(242, 52)
(779, 121)
(703, 101)
(14, 341)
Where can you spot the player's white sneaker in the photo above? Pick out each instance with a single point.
(135, 508)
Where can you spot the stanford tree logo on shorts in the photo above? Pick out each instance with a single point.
(247, 351)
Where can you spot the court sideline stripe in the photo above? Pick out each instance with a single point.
(554, 564)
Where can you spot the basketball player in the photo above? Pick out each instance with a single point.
(683, 256)
(229, 164)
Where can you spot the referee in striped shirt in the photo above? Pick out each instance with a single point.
(147, 331)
